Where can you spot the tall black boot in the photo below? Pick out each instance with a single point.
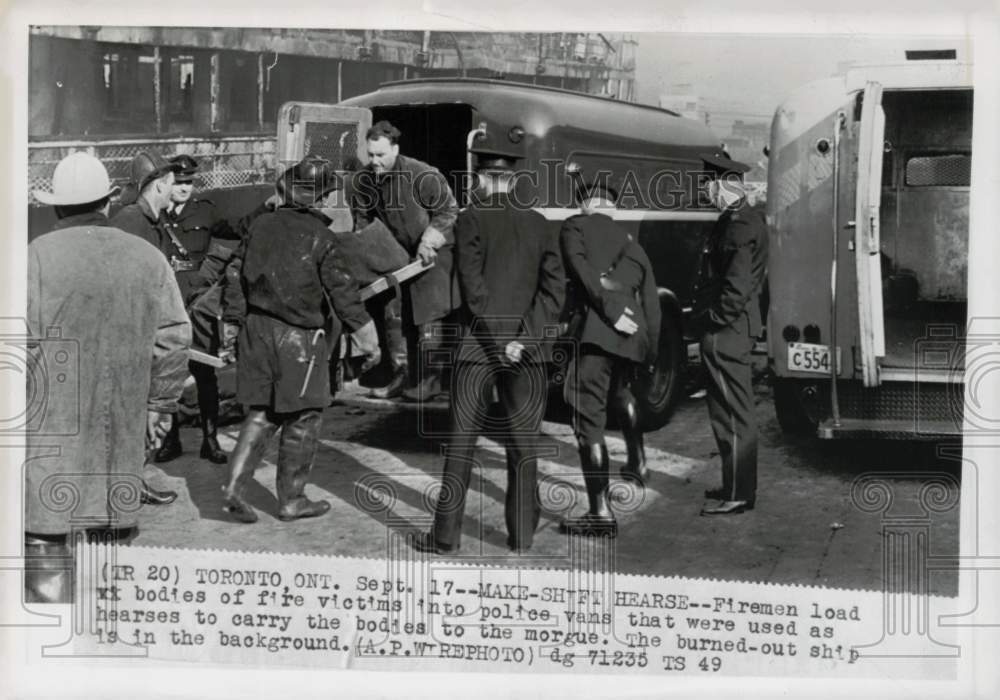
(599, 520)
(170, 448)
(299, 439)
(208, 406)
(628, 418)
(256, 431)
(48, 569)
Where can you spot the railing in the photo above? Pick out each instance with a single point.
(224, 163)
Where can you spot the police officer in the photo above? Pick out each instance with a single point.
(512, 281)
(619, 332)
(199, 242)
(297, 294)
(727, 315)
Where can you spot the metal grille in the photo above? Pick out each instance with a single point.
(223, 163)
(953, 169)
(333, 141)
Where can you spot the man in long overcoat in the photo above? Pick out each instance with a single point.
(109, 336)
(414, 201)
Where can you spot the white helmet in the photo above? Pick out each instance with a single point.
(80, 178)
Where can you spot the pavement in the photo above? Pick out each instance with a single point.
(379, 465)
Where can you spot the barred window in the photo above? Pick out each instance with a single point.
(946, 169)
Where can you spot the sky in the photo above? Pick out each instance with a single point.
(747, 77)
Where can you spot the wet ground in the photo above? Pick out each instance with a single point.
(822, 512)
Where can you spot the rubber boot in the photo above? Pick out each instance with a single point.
(48, 569)
(599, 521)
(170, 448)
(208, 405)
(299, 439)
(256, 431)
(628, 418)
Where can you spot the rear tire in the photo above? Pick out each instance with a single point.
(659, 392)
(796, 406)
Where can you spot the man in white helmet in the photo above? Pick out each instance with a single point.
(111, 299)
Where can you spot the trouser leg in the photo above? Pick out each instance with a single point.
(170, 448)
(627, 412)
(522, 393)
(467, 408)
(208, 407)
(590, 415)
(257, 429)
(726, 355)
(296, 452)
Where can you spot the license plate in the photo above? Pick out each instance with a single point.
(808, 357)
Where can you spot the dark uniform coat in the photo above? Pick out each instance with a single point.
(591, 244)
(294, 284)
(727, 310)
(139, 219)
(121, 350)
(732, 272)
(208, 241)
(407, 199)
(512, 280)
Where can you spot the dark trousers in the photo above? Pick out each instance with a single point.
(726, 356)
(597, 379)
(208, 394)
(522, 392)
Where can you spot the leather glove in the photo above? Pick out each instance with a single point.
(366, 340)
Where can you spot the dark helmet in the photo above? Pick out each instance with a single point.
(147, 166)
(308, 181)
(186, 165)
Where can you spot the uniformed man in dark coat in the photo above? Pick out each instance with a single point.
(414, 201)
(150, 187)
(618, 334)
(298, 295)
(512, 280)
(198, 244)
(727, 314)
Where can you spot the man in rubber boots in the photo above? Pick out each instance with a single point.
(297, 296)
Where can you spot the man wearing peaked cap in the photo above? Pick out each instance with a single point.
(617, 320)
(511, 275)
(728, 319)
(199, 243)
(113, 302)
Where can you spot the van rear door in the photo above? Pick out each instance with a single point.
(330, 131)
(867, 244)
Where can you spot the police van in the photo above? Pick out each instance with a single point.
(652, 156)
(868, 196)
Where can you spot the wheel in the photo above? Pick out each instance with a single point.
(796, 404)
(658, 393)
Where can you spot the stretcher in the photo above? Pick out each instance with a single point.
(407, 272)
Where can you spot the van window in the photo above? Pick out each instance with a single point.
(944, 169)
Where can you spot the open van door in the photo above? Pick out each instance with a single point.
(867, 244)
(333, 132)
